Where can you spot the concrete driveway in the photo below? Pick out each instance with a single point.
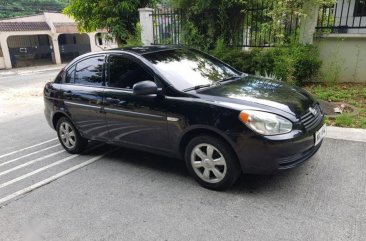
(118, 194)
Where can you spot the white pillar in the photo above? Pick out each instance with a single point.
(56, 48)
(146, 22)
(5, 48)
(308, 22)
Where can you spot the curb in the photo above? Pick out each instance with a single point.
(347, 134)
(28, 70)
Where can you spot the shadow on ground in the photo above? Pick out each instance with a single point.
(247, 183)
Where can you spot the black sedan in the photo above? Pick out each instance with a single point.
(185, 104)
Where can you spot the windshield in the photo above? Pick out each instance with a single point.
(186, 69)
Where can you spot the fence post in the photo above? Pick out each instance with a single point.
(308, 22)
(146, 22)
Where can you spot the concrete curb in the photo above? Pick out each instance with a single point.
(34, 69)
(347, 134)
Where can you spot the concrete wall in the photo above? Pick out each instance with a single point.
(343, 56)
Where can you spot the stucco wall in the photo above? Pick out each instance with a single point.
(343, 56)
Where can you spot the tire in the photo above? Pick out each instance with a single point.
(70, 137)
(212, 162)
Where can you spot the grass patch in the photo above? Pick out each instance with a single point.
(353, 94)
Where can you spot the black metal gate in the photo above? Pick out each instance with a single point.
(344, 16)
(26, 52)
(166, 26)
(258, 28)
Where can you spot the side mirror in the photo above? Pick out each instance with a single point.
(146, 87)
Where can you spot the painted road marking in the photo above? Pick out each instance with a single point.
(30, 154)
(37, 171)
(26, 148)
(29, 163)
(53, 178)
(44, 168)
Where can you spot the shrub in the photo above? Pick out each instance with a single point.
(294, 64)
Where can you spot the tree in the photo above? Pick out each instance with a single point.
(119, 17)
(16, 8)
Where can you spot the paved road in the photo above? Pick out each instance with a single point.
(128, 195)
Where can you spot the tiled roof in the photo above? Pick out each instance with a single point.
(23, 26)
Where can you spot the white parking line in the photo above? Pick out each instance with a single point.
(37, 171)
(30, 154)
(29, 163)
(26, 148)
(53, 178)
(45, 167)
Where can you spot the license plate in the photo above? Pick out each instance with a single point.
(320, 134)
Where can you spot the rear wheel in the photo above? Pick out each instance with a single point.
(212, 162)
(70, 137)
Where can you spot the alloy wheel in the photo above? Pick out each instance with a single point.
(67, 135)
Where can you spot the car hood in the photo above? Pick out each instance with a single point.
(263, 91)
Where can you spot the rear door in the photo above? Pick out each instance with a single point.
(82, 92)
(135, 120)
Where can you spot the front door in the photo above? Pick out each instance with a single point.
(133, 120)
(82, 92)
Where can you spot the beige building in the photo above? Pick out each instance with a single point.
(48, 38)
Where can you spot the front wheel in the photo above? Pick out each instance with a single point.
(70, 137)
(212, 162)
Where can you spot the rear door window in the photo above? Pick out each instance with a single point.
(89, 71)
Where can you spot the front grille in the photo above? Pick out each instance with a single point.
(309, 120)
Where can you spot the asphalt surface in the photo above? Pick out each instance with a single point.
(111, 193)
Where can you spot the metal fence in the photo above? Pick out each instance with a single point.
(345, 16)
(167, 26)
(257, 28)
(261, 30)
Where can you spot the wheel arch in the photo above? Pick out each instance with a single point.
(56, 116)
(190, 134)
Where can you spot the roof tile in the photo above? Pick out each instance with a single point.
(23, 26)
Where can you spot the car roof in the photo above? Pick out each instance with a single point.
(141, 50)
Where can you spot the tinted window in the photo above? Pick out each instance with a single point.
(124, 73)
(88, 72)
(185, 68)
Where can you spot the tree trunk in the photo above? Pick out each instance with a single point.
(308, 22)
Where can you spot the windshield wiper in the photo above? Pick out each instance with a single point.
(198, 87)
(231, 78)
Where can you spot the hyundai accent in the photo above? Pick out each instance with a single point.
(185, 104)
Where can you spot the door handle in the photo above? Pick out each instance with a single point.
(67, 93)
(112, 100)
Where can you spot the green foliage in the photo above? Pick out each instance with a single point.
(294, 64)
(135, 39)
(119, 17)
(205, 21)
(17, 8)
(344, 120)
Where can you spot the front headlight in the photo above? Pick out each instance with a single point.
(265, 123)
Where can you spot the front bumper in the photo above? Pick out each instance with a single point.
(271, 154)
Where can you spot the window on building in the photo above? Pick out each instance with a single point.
(124, 73)
(360, 8)
(99, 39)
